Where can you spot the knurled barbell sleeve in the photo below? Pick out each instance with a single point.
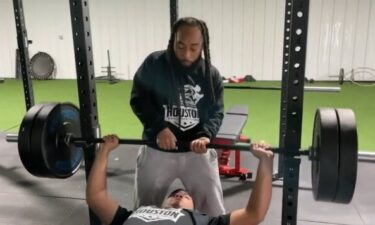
(12, 138)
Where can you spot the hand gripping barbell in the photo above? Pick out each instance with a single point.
(50, 144)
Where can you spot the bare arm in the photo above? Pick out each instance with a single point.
(96, 190)
(260, 197)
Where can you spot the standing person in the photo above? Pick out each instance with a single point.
(178, 208)
(178, 97)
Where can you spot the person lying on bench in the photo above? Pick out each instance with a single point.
(178, 208)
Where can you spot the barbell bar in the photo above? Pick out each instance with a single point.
(306, 88)
(184, 146)
(180, 146)
(50, 145)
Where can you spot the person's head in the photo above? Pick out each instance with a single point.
(179, 198)
(189, 37)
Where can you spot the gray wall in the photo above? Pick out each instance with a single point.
(246, 35)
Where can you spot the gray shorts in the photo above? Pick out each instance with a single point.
(199, 173)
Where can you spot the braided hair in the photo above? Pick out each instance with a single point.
(191, 21)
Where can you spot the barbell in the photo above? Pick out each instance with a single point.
(305, 88)
(50, 145)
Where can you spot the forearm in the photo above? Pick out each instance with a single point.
(96, 191)
(97, 181)
(259, 200)
(261, 194)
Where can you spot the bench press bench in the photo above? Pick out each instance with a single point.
(229, 134)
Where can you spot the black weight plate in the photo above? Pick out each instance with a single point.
(348, 156)
(325, 155)
(24, 136)
(63, 120)
(37, 140)
(57, 159)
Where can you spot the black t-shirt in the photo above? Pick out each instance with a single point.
(151, 215)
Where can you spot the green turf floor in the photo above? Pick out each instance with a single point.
(115, 115)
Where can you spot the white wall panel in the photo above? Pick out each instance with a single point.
(370, 51)
(325, 36)
(48, 26)
(278, 40)
(243, 34)
(130, 30)
(340, 36)
(349, 34)
(313, 39)
(236, 55)
(246, 36)
(227, 34)
(215, 27)
(258, 42)
(269, 40)
(361, 37)
(338, 18)
(7, 33)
